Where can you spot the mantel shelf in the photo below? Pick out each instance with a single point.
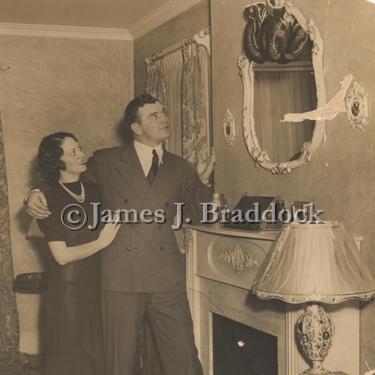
(262, 235)
(219, 229)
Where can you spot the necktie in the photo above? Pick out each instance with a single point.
(154, 167)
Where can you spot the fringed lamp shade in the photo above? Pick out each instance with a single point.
(314, 263)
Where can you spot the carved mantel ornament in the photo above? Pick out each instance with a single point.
(239, 260)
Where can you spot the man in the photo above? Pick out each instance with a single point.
(143, 270)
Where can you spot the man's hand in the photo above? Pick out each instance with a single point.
(37, 205)
(205, 168)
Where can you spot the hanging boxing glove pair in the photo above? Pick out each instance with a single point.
(256, 14)
(273, 35)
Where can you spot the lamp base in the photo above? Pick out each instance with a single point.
(315, 331)
(312, 371)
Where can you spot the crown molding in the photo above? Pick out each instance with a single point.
(163, 14)
(20, 29)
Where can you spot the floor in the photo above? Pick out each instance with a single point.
(16, 363)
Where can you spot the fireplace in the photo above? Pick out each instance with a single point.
(221, 265)
(242, 350)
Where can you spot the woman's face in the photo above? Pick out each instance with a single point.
(73, 157)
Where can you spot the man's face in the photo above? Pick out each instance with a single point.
(154, 125)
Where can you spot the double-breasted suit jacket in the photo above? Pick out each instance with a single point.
(144, 257)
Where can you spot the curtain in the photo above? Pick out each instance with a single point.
(172, 67)
(195, 103)
(9, 338)
(155, 84)
(278, 93)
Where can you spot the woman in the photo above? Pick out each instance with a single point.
(74, 325)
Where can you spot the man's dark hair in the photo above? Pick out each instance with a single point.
(131, 111)
(50, 152)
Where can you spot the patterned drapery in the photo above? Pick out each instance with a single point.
(155, 84)
(172, 67)
(195, 104)
(9, 338)
(181, 81)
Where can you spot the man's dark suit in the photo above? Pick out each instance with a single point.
(143, 269)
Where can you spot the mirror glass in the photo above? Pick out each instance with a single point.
(281, 89)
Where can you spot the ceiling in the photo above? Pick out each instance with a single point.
(86, 13)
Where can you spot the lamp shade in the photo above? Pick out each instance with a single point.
(34, 231)
(314, 262)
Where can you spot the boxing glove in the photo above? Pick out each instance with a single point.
(256, 14)
(297, 44)
(273, 38)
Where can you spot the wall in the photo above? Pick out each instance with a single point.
(175, 30)
(54, 84)
(341, 174)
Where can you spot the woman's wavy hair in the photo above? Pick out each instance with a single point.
(50, 152)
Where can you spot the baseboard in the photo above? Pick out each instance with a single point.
(32, 342)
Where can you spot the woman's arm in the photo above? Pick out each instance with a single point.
(64, 254)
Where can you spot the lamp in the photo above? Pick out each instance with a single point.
(314, 263)
(32, 282)
(34, 231)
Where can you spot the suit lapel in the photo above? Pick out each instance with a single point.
(130, 168)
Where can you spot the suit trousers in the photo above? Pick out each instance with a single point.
(170, 320)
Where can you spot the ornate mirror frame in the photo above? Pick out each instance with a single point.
(245, 66)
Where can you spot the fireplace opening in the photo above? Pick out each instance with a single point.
(242, 350)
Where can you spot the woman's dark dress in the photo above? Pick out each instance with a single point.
(74, 323)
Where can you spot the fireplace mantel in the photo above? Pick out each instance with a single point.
(223, 263)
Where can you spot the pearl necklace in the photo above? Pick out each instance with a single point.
(79, 198)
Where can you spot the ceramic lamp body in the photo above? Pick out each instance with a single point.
(315, 333)
(220, 201)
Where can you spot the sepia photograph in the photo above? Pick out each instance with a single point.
(185, 187)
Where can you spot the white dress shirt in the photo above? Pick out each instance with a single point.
(144, 153)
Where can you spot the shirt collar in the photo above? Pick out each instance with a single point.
(146, 151)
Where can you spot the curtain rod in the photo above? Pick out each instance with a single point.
(201, 38)
(292, 66)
